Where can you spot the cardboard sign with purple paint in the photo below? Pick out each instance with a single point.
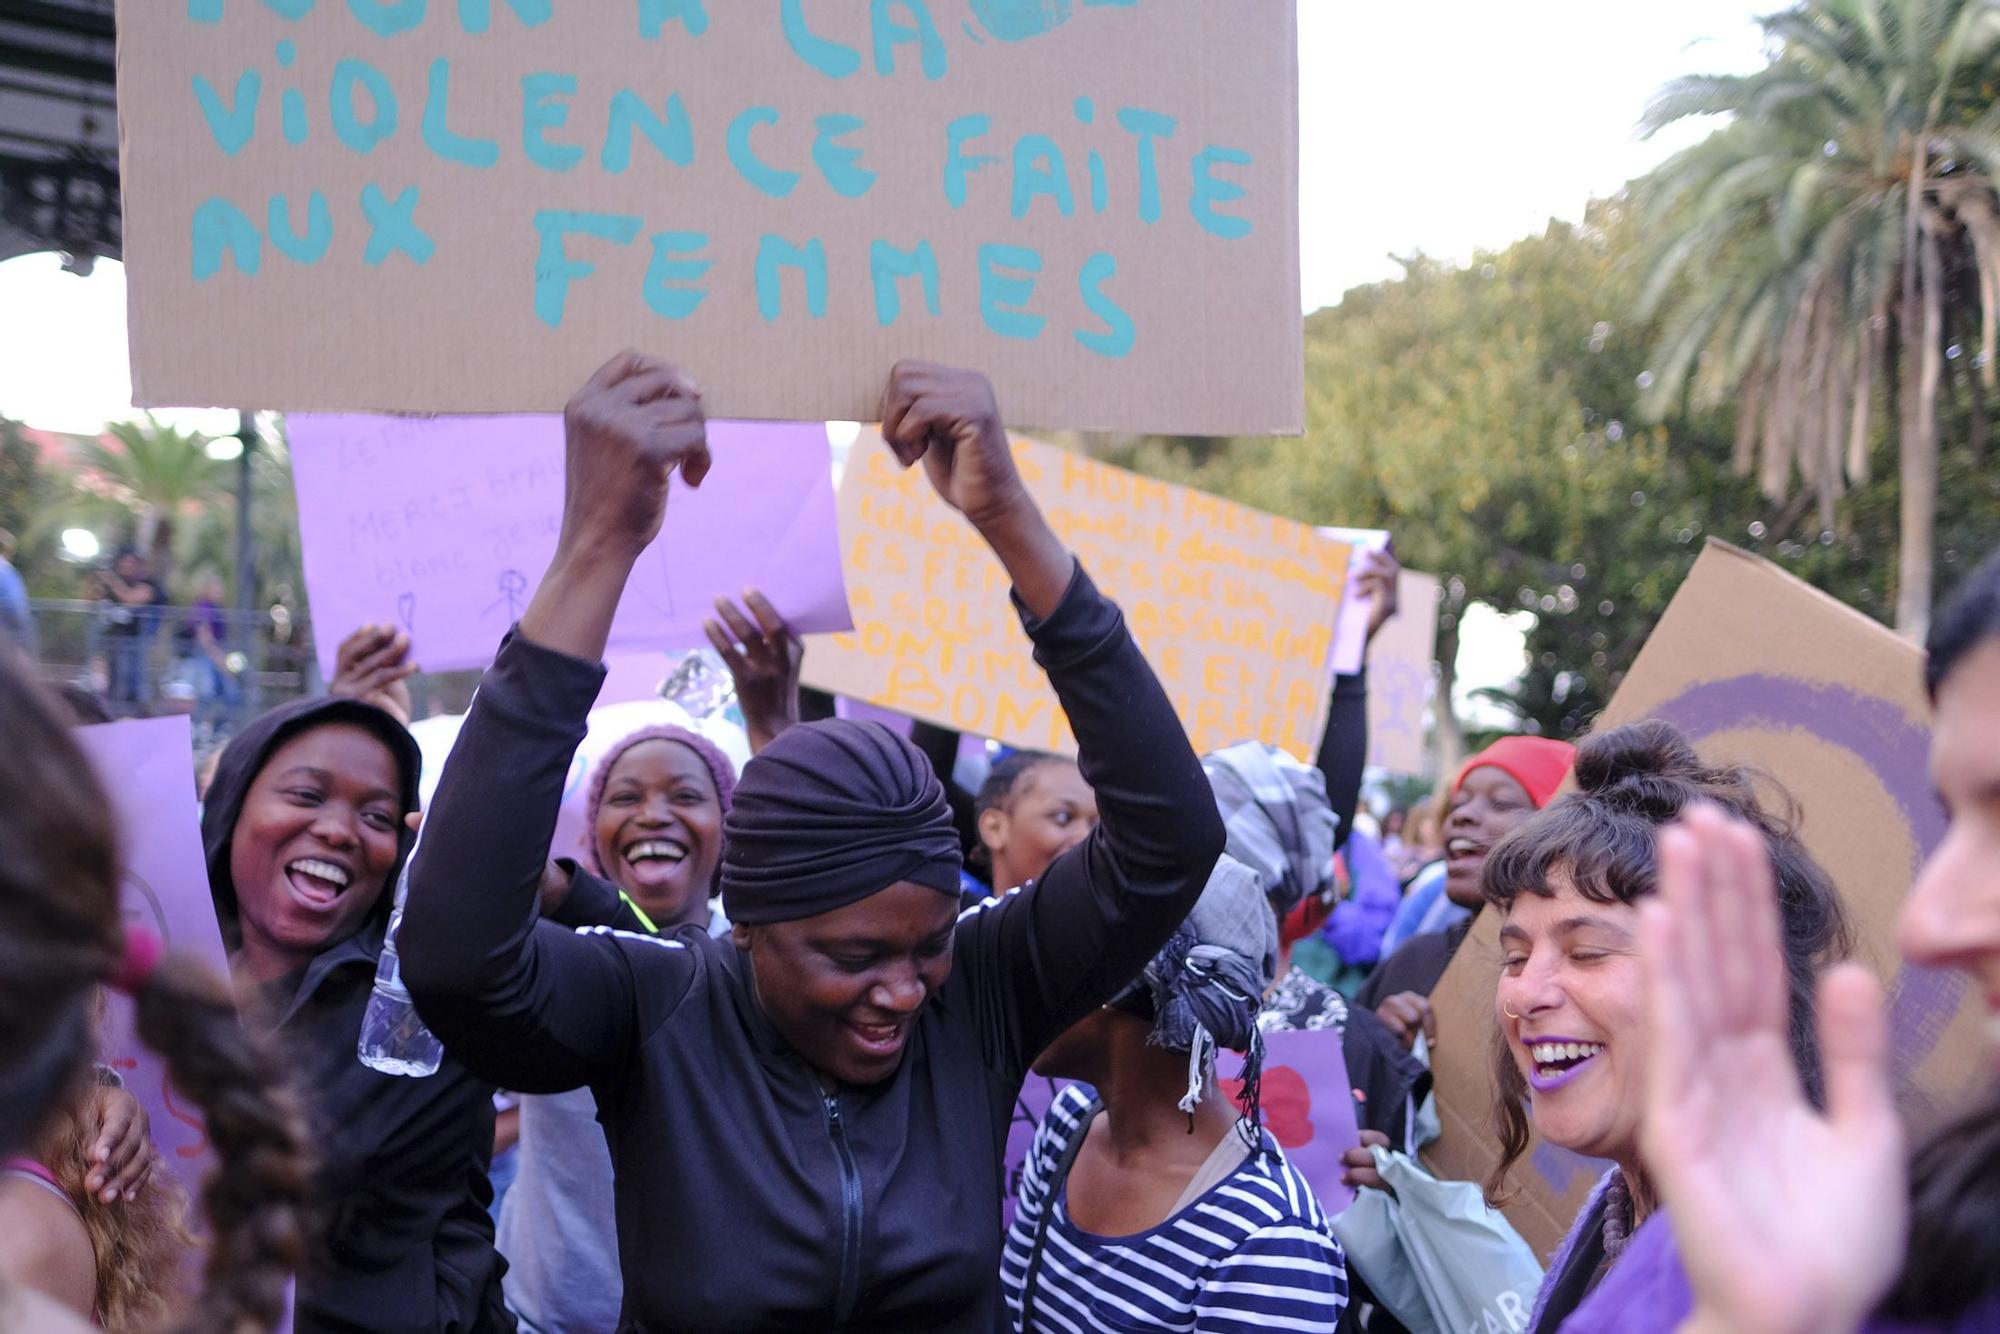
(1758, 669)
(444, 527)
(1308, 1104)
(146, 768)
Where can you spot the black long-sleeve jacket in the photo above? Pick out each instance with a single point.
(404, 1240)
(746, 1197)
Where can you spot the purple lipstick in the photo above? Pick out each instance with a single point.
(1554, 1061)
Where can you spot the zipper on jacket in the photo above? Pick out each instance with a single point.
(850, 1210)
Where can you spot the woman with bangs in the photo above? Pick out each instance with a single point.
(1572, 1045)
(1786, 1219)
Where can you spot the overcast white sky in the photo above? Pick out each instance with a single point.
(1445, 126)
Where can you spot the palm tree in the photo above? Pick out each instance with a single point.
(1830, 243)
(154, 472)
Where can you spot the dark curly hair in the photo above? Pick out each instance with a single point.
(1601, 838)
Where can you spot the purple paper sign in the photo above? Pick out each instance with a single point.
(444, 527)
(147, 771)
(1307, 1098)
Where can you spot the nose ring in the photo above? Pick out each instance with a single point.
(1509, 1013)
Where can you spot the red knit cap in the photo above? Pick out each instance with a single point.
(1536, 763)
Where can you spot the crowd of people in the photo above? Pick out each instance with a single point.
(139, 653)
(763, 1033)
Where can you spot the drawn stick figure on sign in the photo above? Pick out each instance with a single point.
(653, 581)
(513, 595)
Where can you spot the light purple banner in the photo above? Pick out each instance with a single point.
(1307, 1099)
(445, 525)
(146, 767)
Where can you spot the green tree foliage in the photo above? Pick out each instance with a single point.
(158, 474)
(1836, 243)
(31, 507)
(1489, 416)
(210, 540)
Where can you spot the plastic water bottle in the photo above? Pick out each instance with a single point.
(393, 1039)
(701, 684)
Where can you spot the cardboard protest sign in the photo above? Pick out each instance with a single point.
(466, 205)
(146, 768)
(1402, 675)
(1306, 1095)
(445, 526)
(1235, 609)
(1759, 669)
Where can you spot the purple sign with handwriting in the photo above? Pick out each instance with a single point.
(146, 767)
(1308, 1104)
(444, 526)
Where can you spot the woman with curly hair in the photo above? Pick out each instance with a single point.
(121, 1260)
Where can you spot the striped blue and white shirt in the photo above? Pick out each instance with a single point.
(1254, 1254)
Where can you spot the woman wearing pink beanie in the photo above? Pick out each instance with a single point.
(652, 830)
(652, 823)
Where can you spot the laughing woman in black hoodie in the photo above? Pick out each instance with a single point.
(305, 834)
(806, 1122)
(306, 829)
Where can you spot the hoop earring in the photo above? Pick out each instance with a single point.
(1509, 1013)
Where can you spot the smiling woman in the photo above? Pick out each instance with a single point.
(654, 822)
(305, 831)
(1570, 1053)
(807, 1119)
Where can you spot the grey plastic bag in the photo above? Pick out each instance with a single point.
(1436, 1256)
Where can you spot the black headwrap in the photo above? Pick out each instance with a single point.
(828, 814)
(244, 759)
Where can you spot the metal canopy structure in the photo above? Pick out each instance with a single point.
(59, 130)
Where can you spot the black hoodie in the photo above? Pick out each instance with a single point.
(402, 1193)
(747, 1196)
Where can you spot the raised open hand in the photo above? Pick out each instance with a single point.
(763, 657)
(1788, 1220)
(948, 418)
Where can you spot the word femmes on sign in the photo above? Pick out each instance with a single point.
(1111, 159)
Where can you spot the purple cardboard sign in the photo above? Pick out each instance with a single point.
(147, 771)
(1308, 1104)
(444, 527)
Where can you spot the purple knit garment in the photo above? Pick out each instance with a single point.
(719, 768)
(1647, 1292)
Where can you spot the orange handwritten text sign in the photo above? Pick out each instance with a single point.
(1234, 608)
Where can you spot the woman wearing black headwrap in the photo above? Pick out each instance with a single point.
(807, 1121)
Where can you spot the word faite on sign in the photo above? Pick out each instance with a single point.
(444, 527)
(466, 205)
(1235, 609)
(1759, 669)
